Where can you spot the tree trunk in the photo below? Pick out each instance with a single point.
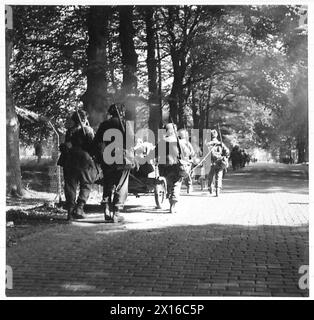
(176, 97)
(111, 65)
(208, 105)
(195, 115)
(154, 107)
(129, 61)
(14, 179)
(174, 94)
(301, 147)
(159, 75)
(173, 104)
(95, 97)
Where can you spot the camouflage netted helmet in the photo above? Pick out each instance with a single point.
(170, 126)
(75, 117)
(113, 110)
(214, 134)
(116, 109)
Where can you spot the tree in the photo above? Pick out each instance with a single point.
(96, 96)
(153, 100)
(49, 55)
(297, 55)
(214, 63)
(129, 61)
(182, 24)
(241, 56)
(14, 179)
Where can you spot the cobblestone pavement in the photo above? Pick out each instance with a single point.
(250, 241)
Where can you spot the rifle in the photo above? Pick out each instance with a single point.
(222, 145)
(84, 132)
(184, 166)
(125, 173)
(119, 117)
(178, 142)
(80, 121)
(219, 132)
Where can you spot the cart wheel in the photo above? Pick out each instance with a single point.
(160, 193)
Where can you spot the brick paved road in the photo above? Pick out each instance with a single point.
(251, 241)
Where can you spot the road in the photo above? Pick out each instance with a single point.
(250, 241)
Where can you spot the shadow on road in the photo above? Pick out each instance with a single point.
(208, 260)
(267, 178)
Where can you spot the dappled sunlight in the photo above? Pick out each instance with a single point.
(254, 236)
(110, 231)
(77, 287)
(258, 195)
(195, 260)
(247, 209)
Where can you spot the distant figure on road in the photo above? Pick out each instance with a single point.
(235, 157)
(78, 165)
(38, 150)
(219, 162)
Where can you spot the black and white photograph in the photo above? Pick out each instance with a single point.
(156, 151)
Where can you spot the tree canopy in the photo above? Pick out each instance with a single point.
(244, 67)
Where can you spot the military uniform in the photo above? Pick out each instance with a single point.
(235, 157)
(188, 154)
(219, 162)
(78, 168)
(243, 158)
(171, 169)
(115, 176)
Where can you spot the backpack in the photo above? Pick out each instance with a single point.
(220, 161)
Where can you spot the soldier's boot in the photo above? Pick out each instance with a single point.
(218, 191)
(70, 213)
(79, 211)
(210, 189)
(173, 208)
(116, 213)
(202, 184)
(107, 213)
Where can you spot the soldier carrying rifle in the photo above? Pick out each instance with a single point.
(177, 165)
(219, 162)
(78, 165)
(115, 175)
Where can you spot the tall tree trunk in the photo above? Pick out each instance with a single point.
(129, 61)
(154, 107)
(208, 106)
(14, 179)
(159, 74)
(181, 113)
(195, 114)
(301, 147)
(173, 104)
(173, 97)
(176, 96)
(111, 64)
(95, 97)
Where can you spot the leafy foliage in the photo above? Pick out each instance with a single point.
(242, 66)
(49, 59)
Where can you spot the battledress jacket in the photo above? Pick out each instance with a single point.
(78, 156)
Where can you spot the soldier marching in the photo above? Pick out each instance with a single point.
(86, 155)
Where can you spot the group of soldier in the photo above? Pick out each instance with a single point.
(83, 163)
(239, 158)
